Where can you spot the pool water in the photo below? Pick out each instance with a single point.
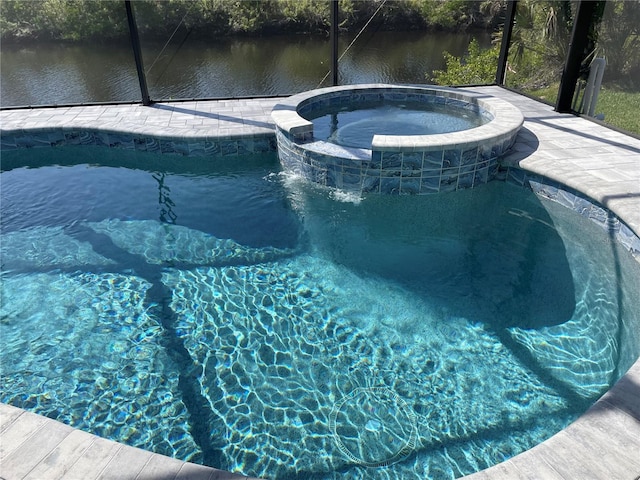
(355, 125)
(220, 312)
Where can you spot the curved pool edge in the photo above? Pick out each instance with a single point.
(603, 166)
(397, 164)
(34, 446)
(602, 444)
(592, 159)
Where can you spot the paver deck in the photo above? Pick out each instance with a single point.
(603, 444)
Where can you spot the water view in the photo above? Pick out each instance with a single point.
(227, 67)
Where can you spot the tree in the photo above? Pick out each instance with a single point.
(478, 67)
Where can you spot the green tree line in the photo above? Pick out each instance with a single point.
(540, 42)
(105, 20)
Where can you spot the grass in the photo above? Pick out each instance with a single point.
(620, 108)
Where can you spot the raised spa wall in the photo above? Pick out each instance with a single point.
(412, 164)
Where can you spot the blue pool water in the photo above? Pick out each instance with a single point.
(355, 125)
(220, 312)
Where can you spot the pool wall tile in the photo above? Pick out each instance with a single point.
(581, 204)
(162, 144)
(429, 185)
(410, 186)
(481, 176)
(436, 161)
(390, 186)
(466, 181)
(153, 145)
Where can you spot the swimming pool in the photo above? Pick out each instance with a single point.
(323, 307)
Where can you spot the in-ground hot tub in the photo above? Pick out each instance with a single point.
(448, 139)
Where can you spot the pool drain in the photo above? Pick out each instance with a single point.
(373, 426)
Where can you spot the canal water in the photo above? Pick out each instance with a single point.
(229, 67)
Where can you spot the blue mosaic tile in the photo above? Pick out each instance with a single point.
(481, 176)
(485, 152)
(598, 216)
(333, 178)
(391, 160)
(493, 170)
(140, 144)
(376, 159)
(496, 150)
(351, 181)
(414, 97)
(8, 142)
(196, 148)
(501, 174)
(166, 146)
(305, 158)
(181, 147)
(31, 141)
(629, 240)
(433, 159)
(566, 199)
(398, 97)
(430, 185)
(371, 184)
(327, 161)
(373, 97)
(390, 186)
(466, 180)
(56, 138)
(245, 146)
(516, 176)
(349, 168)
(261, 145)
(121, 140)
(452, 102)
(449, 186)
(410, 186)
(469, 157)
(228, 148)
(412, 160)
(390, 172)
(450, 158)
(577, 202)
(410, 173)
(450, 174)
(468, 169)
(211, 148)
(371, 173)
(544, 189)
(153, 145)
(101, 139)
(612, 224)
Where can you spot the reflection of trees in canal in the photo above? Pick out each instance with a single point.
(282, 65)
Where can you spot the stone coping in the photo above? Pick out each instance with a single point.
(396, 164)
(507, 119)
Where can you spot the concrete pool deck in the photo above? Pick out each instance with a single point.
(601, 163)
